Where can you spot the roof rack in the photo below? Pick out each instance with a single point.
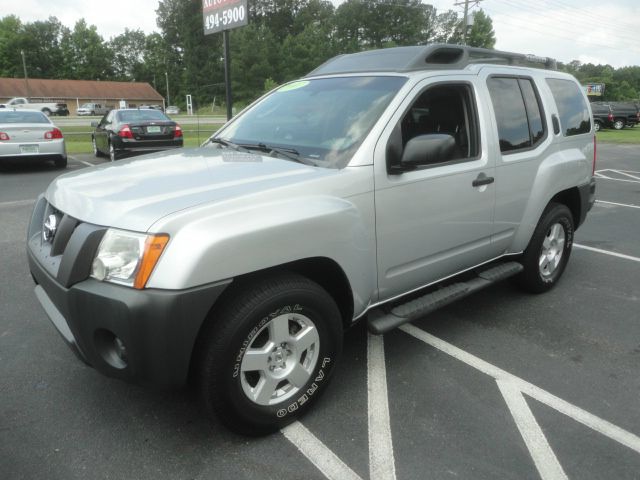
(426, 57)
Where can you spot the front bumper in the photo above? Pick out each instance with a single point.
(157, 328)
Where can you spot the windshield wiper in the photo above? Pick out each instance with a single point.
(290, 153)
(228, 144)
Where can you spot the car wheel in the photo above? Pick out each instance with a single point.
(268, 353)
(113, 154)
(597, 126)
(547, 254)
(60, 162)
(46, 111)
(619, 124)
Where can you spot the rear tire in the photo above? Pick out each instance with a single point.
(46, 111)
(268, 352)
(597, 126)
(113, 153)
(547, 254)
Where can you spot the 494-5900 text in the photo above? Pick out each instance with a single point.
(224, 18)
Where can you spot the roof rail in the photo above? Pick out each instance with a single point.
(426, 57)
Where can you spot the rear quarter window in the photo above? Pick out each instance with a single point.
(573, 111)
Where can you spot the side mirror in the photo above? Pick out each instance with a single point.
(94, 124)
(428, 149)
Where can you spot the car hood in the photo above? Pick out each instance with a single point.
(133, 194)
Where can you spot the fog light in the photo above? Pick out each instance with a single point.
(111, 348)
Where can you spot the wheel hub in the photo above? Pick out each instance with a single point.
(552, 250)
(279, 356)
(280, 359)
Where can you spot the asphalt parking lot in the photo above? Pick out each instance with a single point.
(502, 385)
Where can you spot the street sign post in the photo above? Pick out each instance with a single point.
(222, 16)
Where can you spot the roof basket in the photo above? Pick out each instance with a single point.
(426, 57)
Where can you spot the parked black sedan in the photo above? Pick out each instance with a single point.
(133, 131)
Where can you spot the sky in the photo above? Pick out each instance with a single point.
(586, 30)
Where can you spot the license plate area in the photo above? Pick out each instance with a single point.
(154, 129)
(29, 149)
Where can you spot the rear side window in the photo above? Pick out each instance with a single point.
(574, 114)
(518, 113)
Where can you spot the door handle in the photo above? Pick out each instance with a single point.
(482, 180)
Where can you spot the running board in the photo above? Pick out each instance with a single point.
(380, 322)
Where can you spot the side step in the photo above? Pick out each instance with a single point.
(380, 323)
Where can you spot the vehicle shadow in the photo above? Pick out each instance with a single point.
(27, 166)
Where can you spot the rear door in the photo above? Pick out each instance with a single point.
(520, 132)
(436, 220)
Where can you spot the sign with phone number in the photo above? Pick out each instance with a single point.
(219, 15)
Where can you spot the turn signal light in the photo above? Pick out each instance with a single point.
(153, 247)
(178, 132)
(125, 132)
(53, 134)
(4, 136)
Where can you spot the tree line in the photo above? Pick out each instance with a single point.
(284, 40)
(620, 83)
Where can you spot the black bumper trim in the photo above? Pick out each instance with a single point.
(158, 327)
(587, 199)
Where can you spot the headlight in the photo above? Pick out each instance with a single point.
(127, 258)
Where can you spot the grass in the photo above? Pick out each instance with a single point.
(626, 135)
(78, 139)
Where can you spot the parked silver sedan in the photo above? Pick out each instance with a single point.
(29, 134)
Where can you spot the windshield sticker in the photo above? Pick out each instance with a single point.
(294, 86)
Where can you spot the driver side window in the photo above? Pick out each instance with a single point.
(439, 111)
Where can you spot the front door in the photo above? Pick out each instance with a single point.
(437, 219)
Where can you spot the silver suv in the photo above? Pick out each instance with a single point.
(363, 190)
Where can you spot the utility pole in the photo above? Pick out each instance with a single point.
(26, 79)
(465, 21)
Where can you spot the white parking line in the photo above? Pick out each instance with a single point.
(541, 452)
(606, 252)
(318, 453)
(604, 427)
(618, 204)
(381, 459)
(17, 203)
(625, 173)
(604, 177)
(88, 164)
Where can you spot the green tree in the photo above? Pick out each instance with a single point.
(10, 45)
(128, 50)
(86, 55)
(481, 34)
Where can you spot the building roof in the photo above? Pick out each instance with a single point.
(81, 89)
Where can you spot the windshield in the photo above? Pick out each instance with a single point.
(86, 105)
(324, 120)
(23, 117)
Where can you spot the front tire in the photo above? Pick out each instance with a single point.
(597, 126)
(268, 353)
(619, 124)
(547, 254)
(96, 152)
